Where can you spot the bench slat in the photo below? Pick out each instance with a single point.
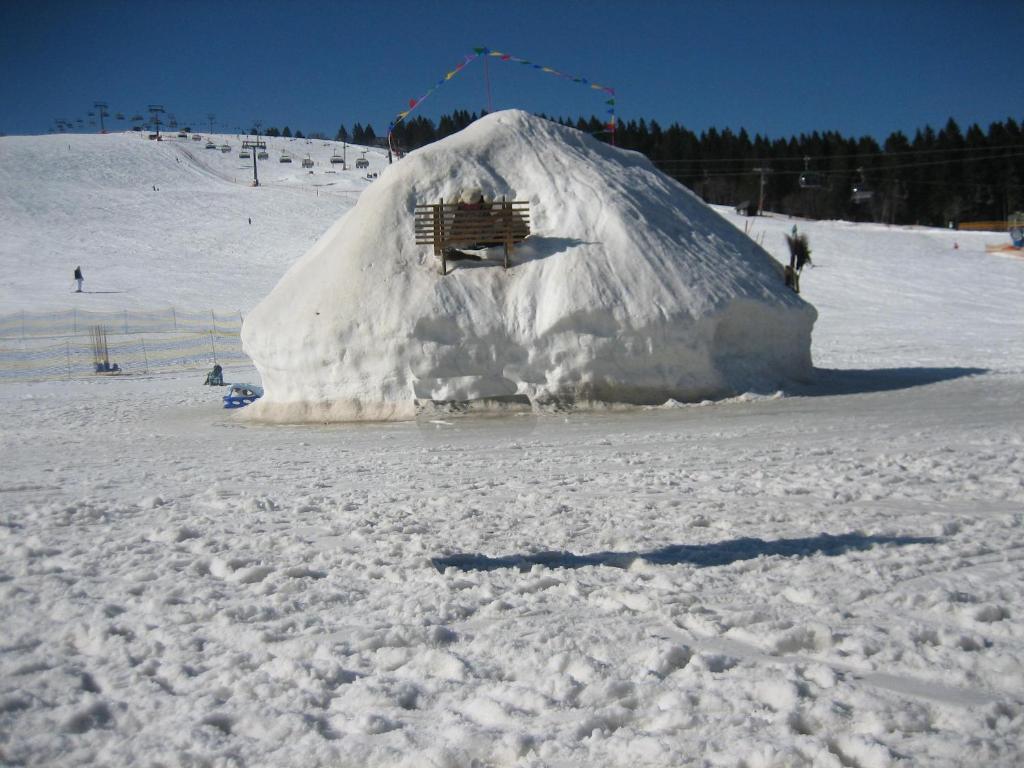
(451, 225)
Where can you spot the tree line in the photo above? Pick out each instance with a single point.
(934, 178)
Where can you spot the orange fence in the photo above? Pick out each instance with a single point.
(983, 226)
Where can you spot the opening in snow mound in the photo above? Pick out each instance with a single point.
(628, 290)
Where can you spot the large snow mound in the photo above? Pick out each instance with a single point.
(629, 290)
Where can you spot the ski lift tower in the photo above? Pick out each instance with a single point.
(101, 107)
(256, 145)
(763, 171)
(155, 110)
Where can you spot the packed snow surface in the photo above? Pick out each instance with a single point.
(629, 289)
(829, 576)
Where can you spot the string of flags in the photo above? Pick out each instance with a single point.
(478, 52)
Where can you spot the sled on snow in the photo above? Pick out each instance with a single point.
(240, 395)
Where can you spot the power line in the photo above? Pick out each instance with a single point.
(869, 155)
(886, 168)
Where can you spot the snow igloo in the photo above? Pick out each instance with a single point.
(628, 290)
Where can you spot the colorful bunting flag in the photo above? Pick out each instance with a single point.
(484, 51)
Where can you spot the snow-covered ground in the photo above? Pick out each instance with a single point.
(157, 224)
(828, 577)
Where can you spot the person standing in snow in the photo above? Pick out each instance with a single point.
(79, 279)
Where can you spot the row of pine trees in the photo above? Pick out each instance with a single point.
(935, 178)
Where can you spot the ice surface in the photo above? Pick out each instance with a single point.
(629, 289)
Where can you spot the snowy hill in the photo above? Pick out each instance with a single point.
(629, 289)
(155, 224)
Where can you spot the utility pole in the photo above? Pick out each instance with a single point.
(760, 200)
(255, 146)
(101, 106)
(210, 116)
(155, 110)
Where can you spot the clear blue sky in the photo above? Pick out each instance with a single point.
(775, 68)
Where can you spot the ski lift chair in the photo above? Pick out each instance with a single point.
(811, 180)
(861, 194)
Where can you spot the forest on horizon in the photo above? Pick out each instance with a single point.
(935, 178)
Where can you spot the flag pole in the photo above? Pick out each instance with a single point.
(487, 82)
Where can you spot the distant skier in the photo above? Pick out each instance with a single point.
(79, 279)
(799, 257)
(250, 219)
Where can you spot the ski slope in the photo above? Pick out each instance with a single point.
(829, 576)
(157, 224)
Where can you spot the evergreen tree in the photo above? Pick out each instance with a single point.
(286, 132)
(931, 179)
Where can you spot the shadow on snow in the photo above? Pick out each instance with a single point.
(533, 248)
(833, 381)
(699, 555)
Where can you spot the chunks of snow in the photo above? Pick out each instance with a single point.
(629, 289)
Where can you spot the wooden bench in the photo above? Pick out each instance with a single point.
(451, 226)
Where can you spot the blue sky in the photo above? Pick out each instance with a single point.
(775, 68)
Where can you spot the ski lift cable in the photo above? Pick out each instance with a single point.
(882, 169)
(866, 155)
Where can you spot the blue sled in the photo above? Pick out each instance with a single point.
(240, 395)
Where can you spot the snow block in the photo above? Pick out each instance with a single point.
(629, 290)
